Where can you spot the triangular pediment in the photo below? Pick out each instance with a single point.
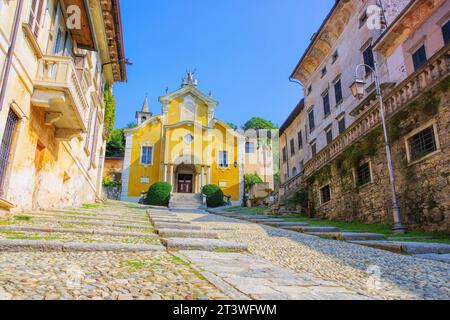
(186, 91)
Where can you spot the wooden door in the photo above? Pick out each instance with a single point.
(185, 183)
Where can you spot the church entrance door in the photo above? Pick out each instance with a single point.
(185, 183)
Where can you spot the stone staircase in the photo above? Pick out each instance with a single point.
(186, 201)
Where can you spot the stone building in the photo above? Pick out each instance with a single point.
(259, 157)
(56, 58)
(184, 146)
(345, 166)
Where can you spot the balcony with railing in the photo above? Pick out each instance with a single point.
(59, 91)
(429, 75)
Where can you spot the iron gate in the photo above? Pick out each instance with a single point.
(5, 147)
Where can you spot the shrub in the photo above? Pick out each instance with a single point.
(214, 195)
(159, 194)
(251, 180)
(301, 198)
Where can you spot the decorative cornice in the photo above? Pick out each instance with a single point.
(412, 17)
(323, 41)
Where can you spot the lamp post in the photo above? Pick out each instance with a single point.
(358, 91)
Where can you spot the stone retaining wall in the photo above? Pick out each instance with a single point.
(423, 187)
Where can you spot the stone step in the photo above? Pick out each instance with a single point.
(187, 210)
(407, 247)
(38, 245)
(177, 221)
(162, 215)
(177, 226)
(436, 257)
(47, 216)
(178, 244)
(94, 223)
(174, 233)
(286, 224)
(311, 229)
(80, 231)
(348, 236)
(265, 220)
(353, 236)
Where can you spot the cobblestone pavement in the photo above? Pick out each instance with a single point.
(377, 273)
(40, 275)
(280, 265)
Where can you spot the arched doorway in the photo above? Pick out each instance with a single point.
(185, 178)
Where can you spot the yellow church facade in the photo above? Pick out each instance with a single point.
(184, 146)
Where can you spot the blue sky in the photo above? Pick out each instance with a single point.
(243, 51)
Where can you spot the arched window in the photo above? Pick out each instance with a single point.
(294, 171)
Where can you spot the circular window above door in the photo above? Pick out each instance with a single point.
(188, 138)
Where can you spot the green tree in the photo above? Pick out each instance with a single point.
(110, 111)
(232, 125)
(131, 125)
(257, 123)
(116, 143)
(251, 179)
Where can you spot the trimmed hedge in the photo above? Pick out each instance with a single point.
(159, 194)
(214, 195)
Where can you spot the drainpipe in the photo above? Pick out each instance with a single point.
(10, 54)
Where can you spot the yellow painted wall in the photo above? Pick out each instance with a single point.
(176, 131)
(149, 133)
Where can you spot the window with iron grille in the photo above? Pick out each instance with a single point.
(422, 144)
(35, 18)
(363, 175)
(146, 155)
(292, 147)
(419, 57)
(446, 32)
(284, 155)
(300, 140)
(338, 91)
(5, 147)
(325, 194)
(312, 123)
(326, 105)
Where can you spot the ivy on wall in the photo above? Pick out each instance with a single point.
(110, 111)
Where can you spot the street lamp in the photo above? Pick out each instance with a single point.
(358, 91)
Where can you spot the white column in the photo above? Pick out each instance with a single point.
(172, 177)
(165, 173)
(209, 175)
(203, 177)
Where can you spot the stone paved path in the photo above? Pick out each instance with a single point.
(376, 273)
(279, 264)
(35, 274)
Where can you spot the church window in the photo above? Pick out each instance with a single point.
(223, 159)
(147, 155)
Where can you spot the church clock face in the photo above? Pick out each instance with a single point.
(188, 138)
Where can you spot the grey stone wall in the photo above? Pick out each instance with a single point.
(112, 193)
(423, 187)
